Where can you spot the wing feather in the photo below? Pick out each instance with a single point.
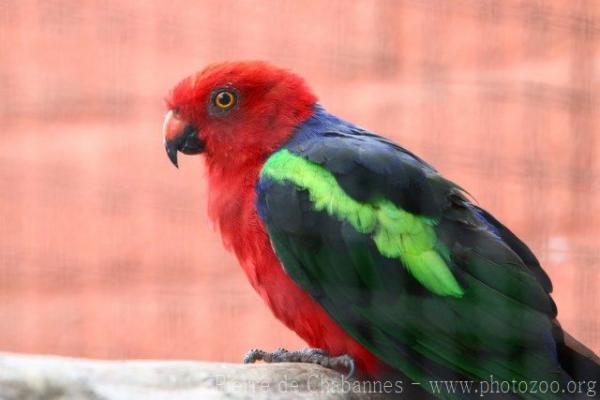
(500, 326)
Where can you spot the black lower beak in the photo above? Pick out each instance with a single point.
(187, 143)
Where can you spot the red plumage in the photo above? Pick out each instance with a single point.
(273, 102)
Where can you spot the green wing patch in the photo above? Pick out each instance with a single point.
(396, 232)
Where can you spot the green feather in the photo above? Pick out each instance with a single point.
(397, 233)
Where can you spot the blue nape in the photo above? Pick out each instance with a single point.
(319, 124)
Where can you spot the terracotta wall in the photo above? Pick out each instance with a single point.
(105, 249)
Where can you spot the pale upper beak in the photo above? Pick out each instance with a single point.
(180, 136)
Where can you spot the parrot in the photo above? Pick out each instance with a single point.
(379, 263)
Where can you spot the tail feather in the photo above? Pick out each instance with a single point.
(575, 358)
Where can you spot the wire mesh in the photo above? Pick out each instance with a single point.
(105, 250)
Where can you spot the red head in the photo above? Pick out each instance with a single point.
(236, 113)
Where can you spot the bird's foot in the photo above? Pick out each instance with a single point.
(343, 363)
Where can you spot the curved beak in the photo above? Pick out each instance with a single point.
(180, 136)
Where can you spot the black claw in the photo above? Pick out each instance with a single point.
(350, 366)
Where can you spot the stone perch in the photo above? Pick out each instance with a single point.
(32, 377)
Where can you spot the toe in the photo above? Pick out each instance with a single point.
(252, 356)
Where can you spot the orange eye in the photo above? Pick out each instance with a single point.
(225, 100)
